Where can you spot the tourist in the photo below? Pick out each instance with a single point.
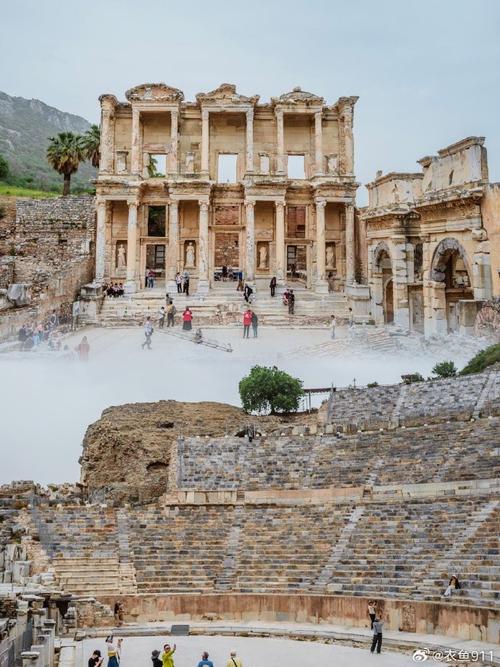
(161, 320)
(150, 279)
(113, 651)
(372, 612)
(333, 324)
(118, 613)
(255, 323)
(171, 310)
(291, 303)
(205, 662)
(83, 349)
(247, 321)
(224, 274)
(75, 315)
(22, 335)
(166, 657)
(198, 336)
(377, 635)
(178, 282)
(155, 659)
(120, 290)
(286, 294)
(247, 293)
(53, 321)
(272, 286)
(185, 283)
(95, 659)
(239, 285)
(453, 585)
(148, 332)
(351, 318)
(234, 661)
(187, 319)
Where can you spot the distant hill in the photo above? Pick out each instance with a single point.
(25, 128)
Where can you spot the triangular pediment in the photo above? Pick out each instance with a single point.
(224, 94)
(299, 96)
(154, 92)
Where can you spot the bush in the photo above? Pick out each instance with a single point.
(267, 390)
(412, 377)
(446, 369)
(4, 167)
(483, 359)
(370, 385)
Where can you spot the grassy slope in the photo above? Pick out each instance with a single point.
(7, 190)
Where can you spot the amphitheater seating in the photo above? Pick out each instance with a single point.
(440, 452)
(361, 407)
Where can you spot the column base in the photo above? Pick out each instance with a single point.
(321, 287)
(130, 287)
(203, 287)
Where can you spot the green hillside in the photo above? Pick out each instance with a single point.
(25, 128)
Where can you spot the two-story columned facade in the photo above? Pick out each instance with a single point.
(266, 189)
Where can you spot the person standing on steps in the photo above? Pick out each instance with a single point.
(234, 661)
(167, 655)
(372, 612)
(272, 286)
(178, 282)
(171, 310)
(333, 325)
(185, 283)
(148, 332)
(161, 320)
(187, 319)
(291, 303)
(247, 293)
(205, 662)
(247, 321)
(377, 626)
(255, 324)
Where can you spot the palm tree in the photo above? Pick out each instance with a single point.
(91, 142)
(65, 153)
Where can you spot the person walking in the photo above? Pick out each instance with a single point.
(161, 320)
(167, 655)
(205, 662)
(291, 303)
(333, 325)
(185, 283)
(255, 323)
(247, 293)
(155, 659)
(247, 321)
(272, 286)
(148, 332)
(234, 661)
(171, 310)
(377, 635)
(178, 282)
(351, 318)
(187, 319)
(83, 349)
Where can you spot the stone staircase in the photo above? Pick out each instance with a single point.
(95, 576)
(224, 306)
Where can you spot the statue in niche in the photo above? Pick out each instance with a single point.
(330, 256)
(121, 257)
(190, 256)
(333, 164)
(189, 163)
(263, 256)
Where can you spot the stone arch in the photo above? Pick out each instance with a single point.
(381, 249)
(444, 250)
(383, 284)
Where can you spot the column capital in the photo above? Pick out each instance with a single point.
(250, 202)
(250, 114)
(203, 205)
(132, 203)
(279, 113)
(102, 203)
(320, 203)
(318, 115)
(279, 204)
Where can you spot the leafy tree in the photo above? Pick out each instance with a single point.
(446, 369)
(64, 154)
(4, 167)
(270, 390)
(483, 359)
(91, 143)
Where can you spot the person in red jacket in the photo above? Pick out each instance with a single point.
(247, 322)
(187, 318)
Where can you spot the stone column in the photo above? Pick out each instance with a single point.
(174, 140)
(135, 161)
(280, 130)
(203, 281)
(348, 141)
(249, 142)
(318, 142)
(250, 241)
(100, 241)
(130, 285)
(107, 145)
(280, 243)
(50, 629)
(321, 284)
(173, 245)
(205, 142)
(349, 245)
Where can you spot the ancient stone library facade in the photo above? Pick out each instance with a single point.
(269, 190)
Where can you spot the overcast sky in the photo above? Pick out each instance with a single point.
(427, 73)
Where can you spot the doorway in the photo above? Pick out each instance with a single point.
(389, 302)
(296, 263)
(155, 262)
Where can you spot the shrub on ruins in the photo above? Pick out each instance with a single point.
(269, 390)
(4, 168)
(483, 359)
(445, 369)
(64, 154)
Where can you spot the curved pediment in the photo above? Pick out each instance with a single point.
(298, 96)
(225, 93)
(157, 92)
